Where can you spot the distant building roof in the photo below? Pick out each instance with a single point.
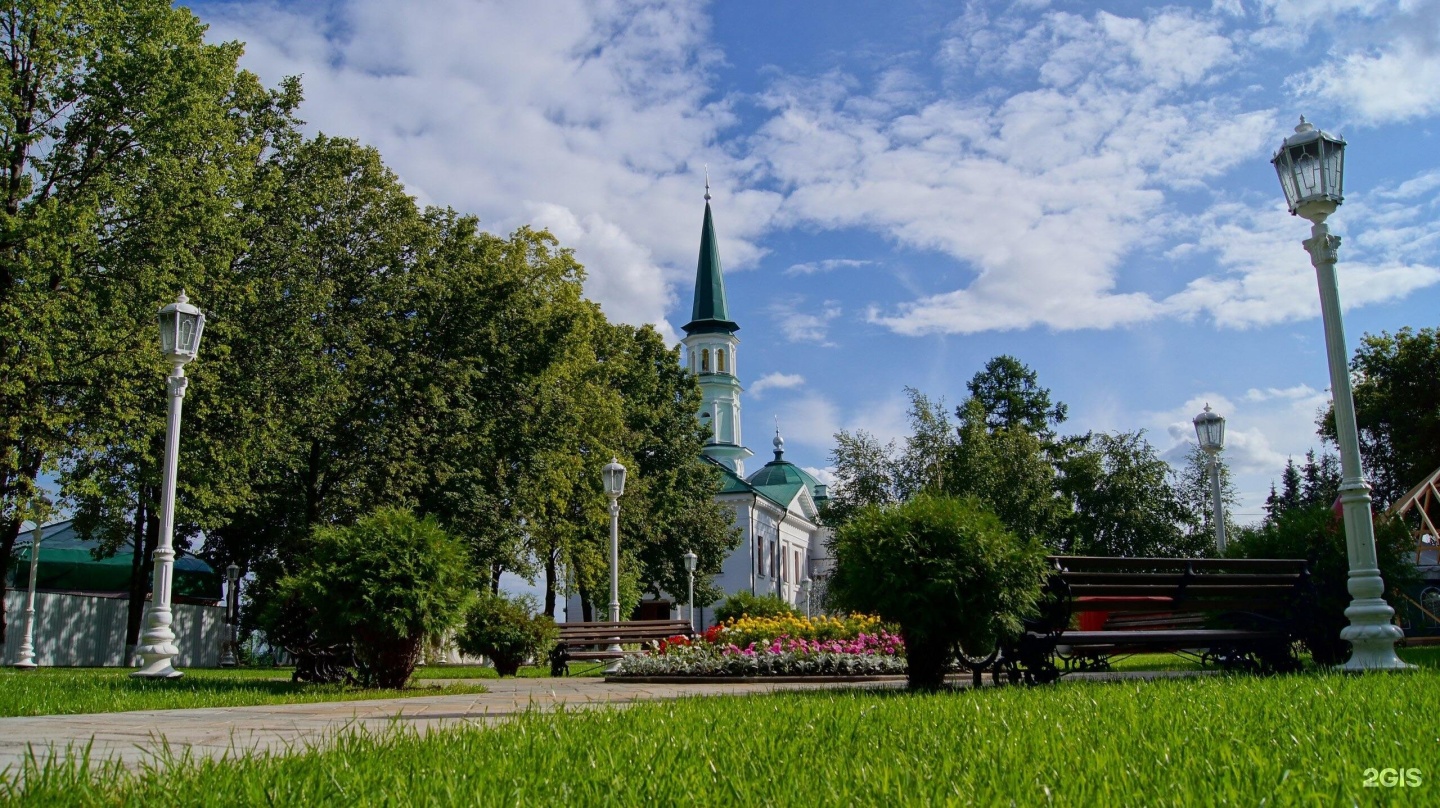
(69, 563)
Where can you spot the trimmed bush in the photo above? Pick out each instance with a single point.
(508, 631)
(944, 569)
(743, 604)
(385, 585)
(1316, 534)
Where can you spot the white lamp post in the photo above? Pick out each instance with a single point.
(181, 325)
(1311, 166)
(232, 614)
(690, 559)
(614, 477)
(805, 590)
(1210, 429)
(26, 662)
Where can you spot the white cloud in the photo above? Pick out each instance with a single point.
(1267, 277)
(1042, 192)
(775, 381)
(593, 118)
(827, 265)
(1263, 428)
(802, 322)
(1395, 84)
(1299, 391)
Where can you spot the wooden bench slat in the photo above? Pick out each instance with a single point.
(1176, 637)
(1177, 579)
(1099, 563)
(1195, 590)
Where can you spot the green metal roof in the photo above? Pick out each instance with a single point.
(781, 480)
(68, 563)
(733, 484)
(709, 314)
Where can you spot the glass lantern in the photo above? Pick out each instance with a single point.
(1210, 430)
(181, 325)
(614, 476)
(1311, 166)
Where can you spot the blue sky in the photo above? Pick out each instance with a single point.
(906, 189)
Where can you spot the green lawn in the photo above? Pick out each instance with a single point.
(1304, 739)
(53, 691)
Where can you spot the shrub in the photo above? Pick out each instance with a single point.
(1316, 534)
(508, 631)
(384, 585)
(944, 569)
(742, 604)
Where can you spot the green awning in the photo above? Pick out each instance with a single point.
(68, 564)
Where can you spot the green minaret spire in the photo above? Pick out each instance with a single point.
(709, 314)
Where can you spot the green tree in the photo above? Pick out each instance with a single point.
(508, 630)
(1397, 409)
(386, 585)
(1196, 496)
(1314, 532)
(1123, 502)
(924, 463)
(1009, 470)
(865, 474)
(1012, 398)
(126, 140)
(945, 569)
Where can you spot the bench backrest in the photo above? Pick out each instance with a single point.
(629, 631)
(1179, 584)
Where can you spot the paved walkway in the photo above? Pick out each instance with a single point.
(213, 732)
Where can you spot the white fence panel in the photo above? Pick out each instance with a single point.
(89, 631)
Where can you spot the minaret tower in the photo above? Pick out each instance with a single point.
(710, 343)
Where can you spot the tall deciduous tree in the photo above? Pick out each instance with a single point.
(1196, 496)
(121, 132)
(1397, 409)
(1123, 501)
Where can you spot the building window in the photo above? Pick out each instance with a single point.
(1430, 602)
(705, 360)
(720, 360)
(760, 555)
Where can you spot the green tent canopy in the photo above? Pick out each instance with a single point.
(68, 564)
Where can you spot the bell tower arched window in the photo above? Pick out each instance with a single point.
(720, 360)
(705, 360)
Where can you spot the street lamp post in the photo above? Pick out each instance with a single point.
(805, 584)
(1210, 429)
(232, 614)
(614, 477)
(26, 662)
(1311, 167)
(181, 325)
(690, 559)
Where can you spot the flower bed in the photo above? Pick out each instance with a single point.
(857, 645)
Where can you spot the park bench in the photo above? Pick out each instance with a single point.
(592, 640)
(1240, 614)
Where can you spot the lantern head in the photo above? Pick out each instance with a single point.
(690, 559)
(181, 325)
(614, 477)
(1210, 430)
(1311, 166)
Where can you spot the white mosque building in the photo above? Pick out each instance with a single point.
(776, 507)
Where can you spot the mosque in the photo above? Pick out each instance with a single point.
(784, 549)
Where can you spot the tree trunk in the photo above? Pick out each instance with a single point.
(8, 533)
(586, 613)
(550, 584)
(495, 572)
(138, 578)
